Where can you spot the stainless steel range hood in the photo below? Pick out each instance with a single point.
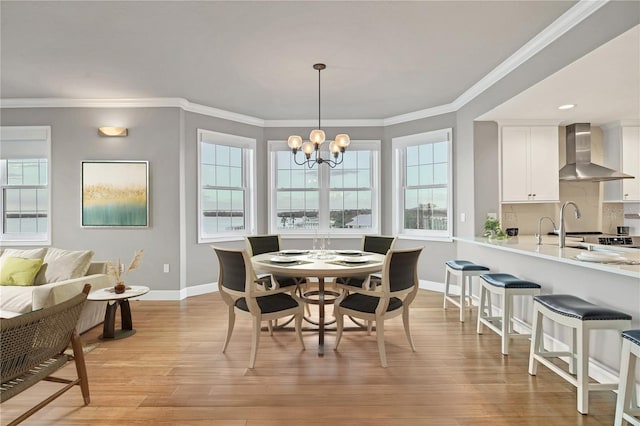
(579, 166)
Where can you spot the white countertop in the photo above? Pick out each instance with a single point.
(526, 245)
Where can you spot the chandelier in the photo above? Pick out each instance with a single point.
(317, 138)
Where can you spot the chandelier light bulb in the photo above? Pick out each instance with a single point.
(343, 141)
(334, 148)
(295, 142)
(308, 148)
(317, 136)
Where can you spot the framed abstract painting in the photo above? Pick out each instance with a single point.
(115, 194)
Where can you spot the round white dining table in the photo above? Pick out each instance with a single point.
(305, 263)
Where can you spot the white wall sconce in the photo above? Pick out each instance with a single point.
(113, 131)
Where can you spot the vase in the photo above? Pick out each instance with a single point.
(119, 288)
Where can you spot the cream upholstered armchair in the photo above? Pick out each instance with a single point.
(397, 290)
(244, 293)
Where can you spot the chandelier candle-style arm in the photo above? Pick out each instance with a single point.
(317, 137)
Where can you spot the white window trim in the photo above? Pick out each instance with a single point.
(398, 146)
(18, 133)
(248, 146)
(374, 146)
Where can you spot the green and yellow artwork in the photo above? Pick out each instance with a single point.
(115, 193)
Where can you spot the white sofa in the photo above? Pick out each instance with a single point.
(23, 299)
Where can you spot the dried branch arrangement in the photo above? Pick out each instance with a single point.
(115, 272)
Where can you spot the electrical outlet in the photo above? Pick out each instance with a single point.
(165, 268)
(463, 217)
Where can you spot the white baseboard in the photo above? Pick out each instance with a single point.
(182, 294)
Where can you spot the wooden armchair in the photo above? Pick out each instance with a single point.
(32, 348)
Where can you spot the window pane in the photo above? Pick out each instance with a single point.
(297, 179)
(440, 173)
(350, 160)
(28, 199)
(426, 174)
(42, 164)
(208, 175)
(283, 202)
(235, 156)
(30, 173)
(235, 177)
(12, 200)
(311, 179)
(440, 152)
(426, 153)
(364, 201)
(364, 179)
(222, 176)
(283, 179)
(208, 153)
(413, 175)
(222, 155)
(413, 155)
(336, 178)
(209, 201)
(364, 160)
(14, 172)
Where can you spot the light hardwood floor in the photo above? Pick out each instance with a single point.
(172, 371)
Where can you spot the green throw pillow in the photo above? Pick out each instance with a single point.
(19, 271)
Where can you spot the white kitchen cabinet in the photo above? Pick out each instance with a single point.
(529, 161)
(631, 163)
(622, 152)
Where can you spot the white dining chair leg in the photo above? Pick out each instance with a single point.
(299, 328)
(339, 326)
(255, 341)
(583, 369)
(407, 329)
(537, 340)
(369, 327)
(572, 349)
(230, 323)
(447, 277)
(380, 339)
(481, 312)
(270, 327)
(506, 322)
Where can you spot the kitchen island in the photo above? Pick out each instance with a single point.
(557, 270)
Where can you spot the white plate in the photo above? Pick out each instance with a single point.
(348, 252)
(352, 260)
(599, 257)
(292, 252)
(279, 259)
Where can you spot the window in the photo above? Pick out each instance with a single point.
(25, 176)
(320, 198)
(226, 183)
(422, 174)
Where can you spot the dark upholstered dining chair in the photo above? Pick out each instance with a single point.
(373, 244)
(244, 293)
(398, 288)
(259, 244)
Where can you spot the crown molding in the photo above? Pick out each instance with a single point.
(369, 122)
(568, 20)
(417, 115)
(131, 103)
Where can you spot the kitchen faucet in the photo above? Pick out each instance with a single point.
(563, 231)
(539, 234)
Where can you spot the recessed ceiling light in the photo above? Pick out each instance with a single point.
(567, 106)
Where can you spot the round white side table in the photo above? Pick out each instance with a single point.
(114, 300)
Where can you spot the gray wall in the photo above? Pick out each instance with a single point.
(167, 138)
(154, 135)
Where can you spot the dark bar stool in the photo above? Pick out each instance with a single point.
(464, 270)
(627, 404)
(582, 317)
(507, 286)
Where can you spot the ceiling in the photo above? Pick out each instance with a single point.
(384, 59)
(604, 85)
